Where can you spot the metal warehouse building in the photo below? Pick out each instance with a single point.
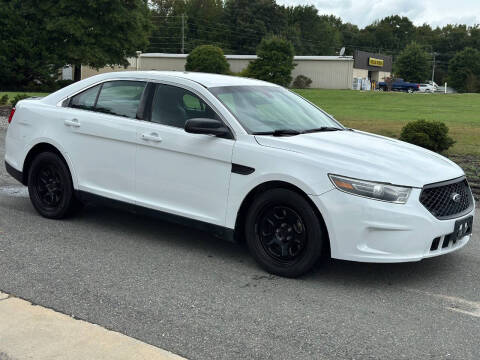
(326, 72)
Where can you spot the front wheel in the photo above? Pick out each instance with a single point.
(283, 233)
(50, 186)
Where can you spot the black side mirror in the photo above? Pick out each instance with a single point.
(207, 127)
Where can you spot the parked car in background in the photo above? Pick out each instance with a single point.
(246, 159)
(399, 85)
(429, 87)
(426, 88)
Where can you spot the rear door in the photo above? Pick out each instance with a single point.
(178, 172)
(99, 136)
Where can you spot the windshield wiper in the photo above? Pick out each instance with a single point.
(279, 132)
(322, 129)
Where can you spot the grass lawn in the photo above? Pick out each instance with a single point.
(386, 113)
(12, 94)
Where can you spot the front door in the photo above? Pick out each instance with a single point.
(178, 172)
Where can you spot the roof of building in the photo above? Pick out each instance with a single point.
(252, 57)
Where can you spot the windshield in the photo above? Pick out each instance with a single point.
(266, 109)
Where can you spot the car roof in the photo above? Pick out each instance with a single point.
(205, 79)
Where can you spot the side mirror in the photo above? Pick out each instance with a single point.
(207, 127)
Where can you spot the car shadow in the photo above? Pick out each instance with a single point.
(150, 229)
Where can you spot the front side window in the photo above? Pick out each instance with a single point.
(268, 108)
(120, 98)
(173, 106)
(85, 100)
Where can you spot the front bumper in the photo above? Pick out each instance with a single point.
(368, 230)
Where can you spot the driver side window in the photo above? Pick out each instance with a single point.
(173, 106)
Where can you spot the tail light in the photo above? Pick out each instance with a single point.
(11, 115)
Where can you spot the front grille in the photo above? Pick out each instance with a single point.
(439, 198)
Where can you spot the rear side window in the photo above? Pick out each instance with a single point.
(120, 98)
(85, 100)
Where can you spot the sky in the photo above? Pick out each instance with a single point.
(364, 12)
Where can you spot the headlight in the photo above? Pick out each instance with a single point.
(373, 190)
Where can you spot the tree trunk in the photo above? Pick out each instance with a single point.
(77, 72)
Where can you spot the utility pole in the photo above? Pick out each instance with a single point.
(433, 69)
(183, 33)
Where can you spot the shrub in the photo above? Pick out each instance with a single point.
(274, 62)
(4, 99)
(432, 135)
(301, 82)
(19, 97)
(209, 59)
(59, 84)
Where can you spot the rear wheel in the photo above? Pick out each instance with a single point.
(283, 233)
(50, 186)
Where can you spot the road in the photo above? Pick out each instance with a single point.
(202, 298)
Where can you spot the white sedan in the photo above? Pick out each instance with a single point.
(427, 88)
(245, 159)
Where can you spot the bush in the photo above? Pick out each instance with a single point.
(209, 59)
(432, 135)
(19, 97)
(4, 100)
(301, 82)
(274, 62)
(59, 84)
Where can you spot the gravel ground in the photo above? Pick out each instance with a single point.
(3, 122)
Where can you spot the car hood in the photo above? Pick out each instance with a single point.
(369, 157)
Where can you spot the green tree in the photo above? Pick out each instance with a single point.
(310, 33)
(413, 63)
(26, 54)
(392, 33)
(248, 21)
(97, 32)
(274, 62)
(209, 59)
(43, 35)
(166, 36)
(464, 70)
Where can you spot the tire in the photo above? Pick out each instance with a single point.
(410, 90)
(50, 187)
(283, 233)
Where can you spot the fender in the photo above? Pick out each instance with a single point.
(239, 190)
(59, 147)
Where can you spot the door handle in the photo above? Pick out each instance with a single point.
(151, 137)
(72, 123)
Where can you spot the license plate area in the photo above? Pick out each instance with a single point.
(462, 228)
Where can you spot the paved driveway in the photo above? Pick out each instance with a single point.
(202, 298)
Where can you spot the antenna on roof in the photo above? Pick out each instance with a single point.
(342, 51)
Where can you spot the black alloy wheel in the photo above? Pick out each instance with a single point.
(281, 232)
(50, 186)
(284, 233)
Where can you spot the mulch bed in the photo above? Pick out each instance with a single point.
(471, 165)
(5, 110)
